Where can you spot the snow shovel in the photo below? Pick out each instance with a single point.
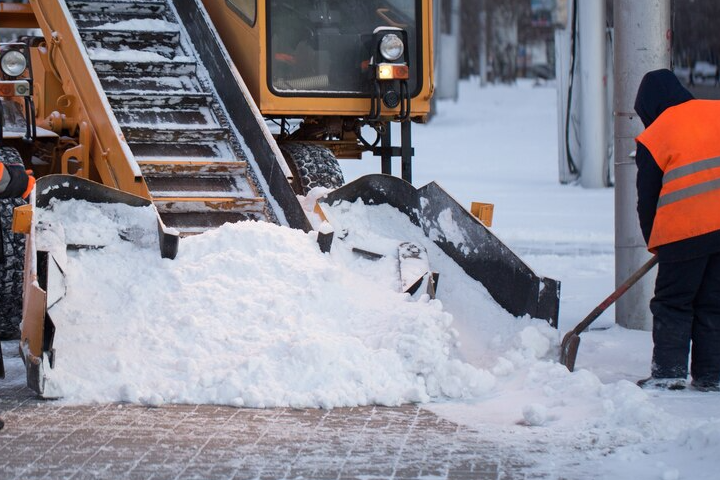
(571, 340)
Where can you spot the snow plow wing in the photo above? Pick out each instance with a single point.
(44, 279)
(511, 283)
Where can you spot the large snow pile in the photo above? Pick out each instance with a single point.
(124, 326)
(248, 314)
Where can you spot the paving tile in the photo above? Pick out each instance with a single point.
(48, 440)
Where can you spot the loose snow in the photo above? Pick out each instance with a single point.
(140, 25)
(253, 314)
(249, 314)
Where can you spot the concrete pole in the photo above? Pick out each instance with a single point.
(455, 19)
(448, 74)
(482, 44)
(643, 42)
(593, 135)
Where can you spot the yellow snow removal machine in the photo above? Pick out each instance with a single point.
(171, 103)
(323, 69)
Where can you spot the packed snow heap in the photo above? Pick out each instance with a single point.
(251, 314)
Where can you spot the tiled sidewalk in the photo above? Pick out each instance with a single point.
(45, 440)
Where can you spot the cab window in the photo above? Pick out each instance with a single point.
(324, 47)
(246, 9)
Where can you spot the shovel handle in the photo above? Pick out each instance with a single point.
(615, 295)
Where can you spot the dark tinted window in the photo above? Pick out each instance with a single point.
(324, 46)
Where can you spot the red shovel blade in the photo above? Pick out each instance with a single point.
(569, 350)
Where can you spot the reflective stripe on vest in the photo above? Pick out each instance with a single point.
(685, 143)
(687, 192)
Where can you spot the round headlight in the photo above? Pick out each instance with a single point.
(391, 47)
(13, 63)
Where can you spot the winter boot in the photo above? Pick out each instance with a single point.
(705, 386)
(652, 383)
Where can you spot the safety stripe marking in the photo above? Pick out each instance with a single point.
(695, 167)
(688, 192)
(5, 180)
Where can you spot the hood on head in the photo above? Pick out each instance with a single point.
(659, 90)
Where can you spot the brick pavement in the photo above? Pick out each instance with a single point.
(46, 440)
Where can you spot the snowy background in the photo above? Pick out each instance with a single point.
(499, 145)
(254, 315)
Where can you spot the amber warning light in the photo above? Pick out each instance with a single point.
(389, 71)
(18, 88)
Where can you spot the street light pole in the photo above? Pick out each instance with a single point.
(643, 42)
(593, 129)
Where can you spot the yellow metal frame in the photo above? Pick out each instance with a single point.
(483, 212)
(16, 15)
(102, 153)
(248, 48)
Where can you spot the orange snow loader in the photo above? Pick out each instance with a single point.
(216, 111)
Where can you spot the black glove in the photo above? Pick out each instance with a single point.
(19, 181)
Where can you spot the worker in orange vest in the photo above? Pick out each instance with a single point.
(678, 185)
(15, 181)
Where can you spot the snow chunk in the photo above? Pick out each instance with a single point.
(535, 414)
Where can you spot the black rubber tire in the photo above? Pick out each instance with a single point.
(313, 166)
(12, 261)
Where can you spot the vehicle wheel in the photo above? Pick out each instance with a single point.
(313, 166)
(12, 259)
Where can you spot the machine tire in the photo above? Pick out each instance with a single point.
(12, 261)
(313, 166)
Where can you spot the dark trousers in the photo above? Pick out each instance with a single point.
(686, 308)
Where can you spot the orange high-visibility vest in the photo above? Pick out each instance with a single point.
(685, 142)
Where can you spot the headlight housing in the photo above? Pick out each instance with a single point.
(392, 47)
(13, 63)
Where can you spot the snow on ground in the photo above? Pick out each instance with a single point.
(499, 145)
(253, 314)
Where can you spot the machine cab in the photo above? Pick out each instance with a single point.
(369, 58)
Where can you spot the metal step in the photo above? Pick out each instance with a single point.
(158, 168)
(176, 134)
(200, 117)
(121, 85)
(122, 7)
(221, 151)
(94, 20)
(186, 186)
(140, 67)
(186, 100)
(165, 43)
(198, 180)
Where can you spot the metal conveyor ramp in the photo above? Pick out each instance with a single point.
(191, 156)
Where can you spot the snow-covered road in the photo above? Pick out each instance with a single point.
(237, 319)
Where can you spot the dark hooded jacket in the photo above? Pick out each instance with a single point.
(660, 90)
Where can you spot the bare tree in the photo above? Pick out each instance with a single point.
(509, 27)
(696, 36)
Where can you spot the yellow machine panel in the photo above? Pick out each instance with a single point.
(318, 51)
